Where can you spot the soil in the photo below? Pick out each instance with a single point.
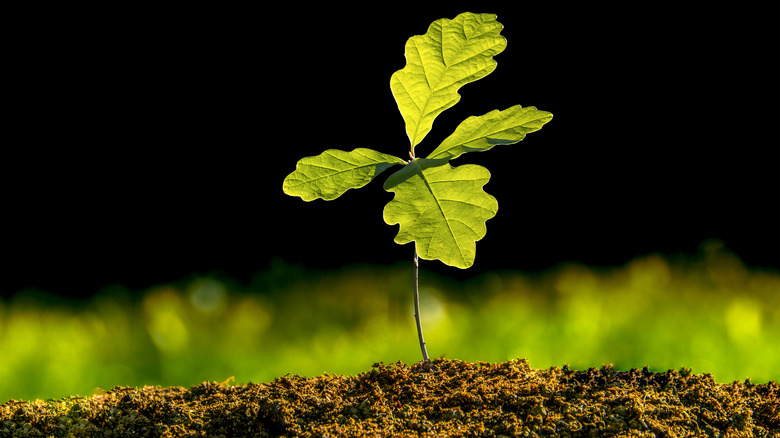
(438, 398)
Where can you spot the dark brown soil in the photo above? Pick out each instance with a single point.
(439, 398)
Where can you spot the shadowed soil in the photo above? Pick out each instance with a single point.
(438, 398)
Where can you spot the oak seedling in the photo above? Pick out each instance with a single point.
(442, 208)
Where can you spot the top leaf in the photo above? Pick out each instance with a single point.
(452, 53)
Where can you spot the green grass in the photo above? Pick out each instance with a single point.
(710, 313)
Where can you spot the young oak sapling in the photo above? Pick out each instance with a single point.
(442, 208)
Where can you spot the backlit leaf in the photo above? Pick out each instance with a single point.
(452, 53)
(333, 172)
(480, 133)
(440, 207)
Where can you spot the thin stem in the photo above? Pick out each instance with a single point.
(417, 308)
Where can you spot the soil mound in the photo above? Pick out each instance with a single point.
(438, 398)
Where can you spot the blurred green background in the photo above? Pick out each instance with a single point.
(708, 312)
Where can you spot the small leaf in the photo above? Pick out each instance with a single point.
(452, 53)
(480, 133)
(442, 208)
(333, 172)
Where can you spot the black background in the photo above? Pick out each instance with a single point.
(146, 143)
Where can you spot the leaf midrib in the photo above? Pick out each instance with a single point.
(446, 220)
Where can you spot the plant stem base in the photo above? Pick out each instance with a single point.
(417, 307)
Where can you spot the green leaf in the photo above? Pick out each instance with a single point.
(452, 53)
(480, 133)
(333, 172)
(440, 207)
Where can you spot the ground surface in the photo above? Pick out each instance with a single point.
(439, 398)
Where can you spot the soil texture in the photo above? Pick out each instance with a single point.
(438, 398)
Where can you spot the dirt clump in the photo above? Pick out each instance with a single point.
(438, 398)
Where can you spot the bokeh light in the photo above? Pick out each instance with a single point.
(708, 312)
